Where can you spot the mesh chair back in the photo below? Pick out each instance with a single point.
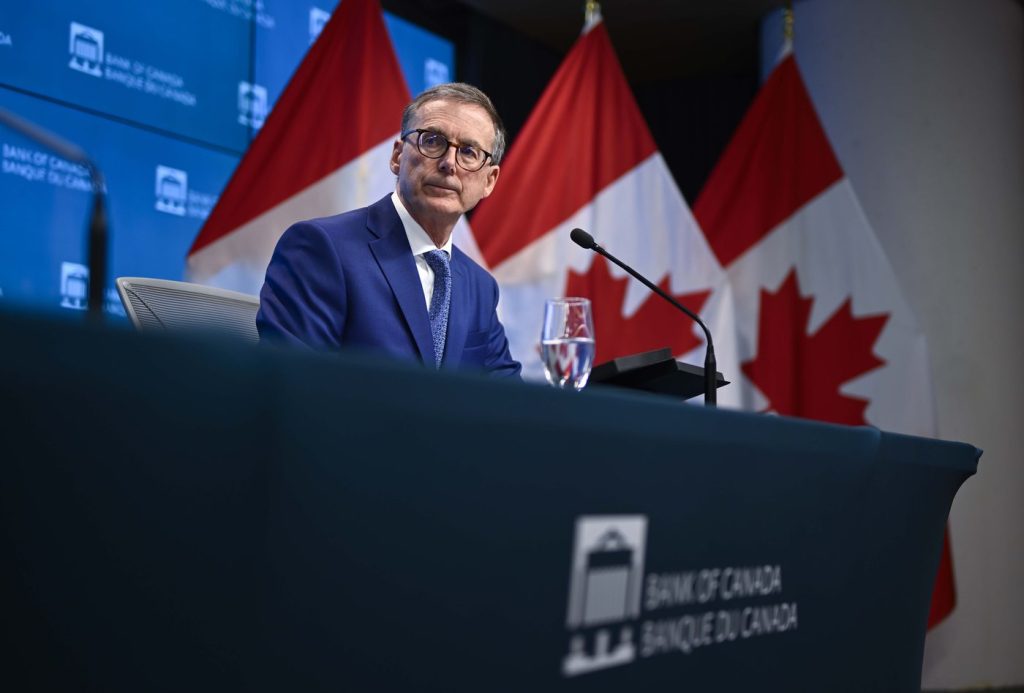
(161, 304)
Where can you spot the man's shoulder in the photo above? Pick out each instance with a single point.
(352, 223)
(354, 218)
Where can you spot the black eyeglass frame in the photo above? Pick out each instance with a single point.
(458, 159)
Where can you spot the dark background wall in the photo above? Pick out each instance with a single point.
(692, 101)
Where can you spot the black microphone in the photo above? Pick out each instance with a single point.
(98, 216)
(586, 241)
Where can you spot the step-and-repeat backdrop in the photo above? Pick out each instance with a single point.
(165, 98)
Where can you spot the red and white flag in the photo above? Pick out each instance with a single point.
(324, 149)
(585, 158)
(823, 330)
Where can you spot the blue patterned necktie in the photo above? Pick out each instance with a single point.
(439, 300)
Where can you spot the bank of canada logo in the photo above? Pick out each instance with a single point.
(435, 72)
(74, 286)
(86, 47)
(171, 190)
(317, 20)
(604, 592)
(252, 105)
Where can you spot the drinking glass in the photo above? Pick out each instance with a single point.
(567, 342)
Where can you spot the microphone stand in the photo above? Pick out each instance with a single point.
(98, 230)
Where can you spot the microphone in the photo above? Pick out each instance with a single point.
(583, 239)
(587, 242)
(98, 217)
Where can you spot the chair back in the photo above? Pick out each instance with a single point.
(161, 304)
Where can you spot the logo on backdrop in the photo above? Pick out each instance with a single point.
(86, 47)
(89, 56)
(317, 20)
(435, 72)
(174, 196)
(74, 290)
(5, 39)
(171, 190)
(252, 105)
(604, 591)
(74, 286)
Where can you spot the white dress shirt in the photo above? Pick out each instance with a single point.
(420, 243)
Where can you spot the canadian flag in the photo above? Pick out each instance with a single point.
(821, 326)
(324, 149)
(585, 158)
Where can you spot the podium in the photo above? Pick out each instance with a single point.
(181, 514)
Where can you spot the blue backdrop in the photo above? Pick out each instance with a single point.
(165, 97)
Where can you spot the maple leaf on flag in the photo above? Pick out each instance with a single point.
(654, 326)
(801, 373)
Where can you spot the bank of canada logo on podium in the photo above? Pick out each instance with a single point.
(171, 190)
(605, 588)
(86, 47)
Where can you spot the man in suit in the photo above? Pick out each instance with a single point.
(387, 277)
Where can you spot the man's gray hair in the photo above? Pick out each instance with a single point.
(460, 92)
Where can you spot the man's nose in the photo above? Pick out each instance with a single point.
(447, 162)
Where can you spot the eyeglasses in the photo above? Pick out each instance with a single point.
(434, 145)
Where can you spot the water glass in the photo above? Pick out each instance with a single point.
(567, 342)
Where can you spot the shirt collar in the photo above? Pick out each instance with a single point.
(419, 241)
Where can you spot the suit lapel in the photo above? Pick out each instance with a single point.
(391, 249)
(458, 311)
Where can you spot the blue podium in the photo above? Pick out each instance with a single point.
(180, 513)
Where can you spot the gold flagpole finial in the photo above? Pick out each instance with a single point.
(787, 23)
(591, 15)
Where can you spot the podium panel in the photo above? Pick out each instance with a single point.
(182, 514)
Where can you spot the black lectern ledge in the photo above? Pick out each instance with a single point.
(183, 514)
(654, 371)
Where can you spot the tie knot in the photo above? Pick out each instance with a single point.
(438, 261)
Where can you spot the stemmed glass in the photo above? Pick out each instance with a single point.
(567, 342)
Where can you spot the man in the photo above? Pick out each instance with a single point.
(387, 277)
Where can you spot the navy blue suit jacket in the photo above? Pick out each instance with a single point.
(351, 280)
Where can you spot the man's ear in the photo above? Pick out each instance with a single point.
(492, 179)
(396, 153)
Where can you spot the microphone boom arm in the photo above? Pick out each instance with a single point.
(585, 240)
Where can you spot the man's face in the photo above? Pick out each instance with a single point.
(437, 191)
